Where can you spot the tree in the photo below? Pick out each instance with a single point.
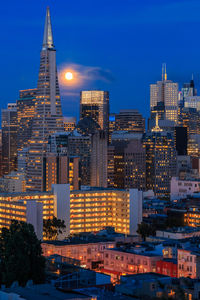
(20, 255)
(145, 230)
(53, 227)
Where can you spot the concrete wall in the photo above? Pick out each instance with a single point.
(182, 188)
(34, 216)
(136, 198)
(62, 205)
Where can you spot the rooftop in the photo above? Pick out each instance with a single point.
(88, 239)
(185, 229)
(145, 276)
(143, 252)
(43, 292)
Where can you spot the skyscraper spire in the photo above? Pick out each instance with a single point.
(164, 72)
(156, 128)
(48, 37)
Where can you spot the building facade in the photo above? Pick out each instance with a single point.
(167, 267)
(99, 159)
(182, 188)
(160, 161)
(127, 164)
(13, 182)
(129, 262)
(129, 120)
(88, 253)
(95, 209)
(25, 114)
(69, 123)
(189, 263)
(33, 207)
(9, 126)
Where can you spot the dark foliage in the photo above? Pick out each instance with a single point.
(145, 230)
(53, 227)
(20, 255)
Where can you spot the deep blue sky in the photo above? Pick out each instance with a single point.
(124, 42)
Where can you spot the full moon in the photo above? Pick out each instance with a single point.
(69, 76)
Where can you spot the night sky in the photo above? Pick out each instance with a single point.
(116, 45)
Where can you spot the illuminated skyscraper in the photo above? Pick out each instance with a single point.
(165, 93)
(9, 138)
(160, 160)
(111, 125)
(99, 159)
(25, 115)
(95, 104)
(190, 118)
(126, 161)
(48, 118)
(59, 167)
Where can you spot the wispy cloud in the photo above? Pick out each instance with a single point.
(70, 93)
(97, 73)
(83, 77)
(82, 74)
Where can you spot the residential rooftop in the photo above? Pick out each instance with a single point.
(81, 240)
(42, 292)
(185, 229)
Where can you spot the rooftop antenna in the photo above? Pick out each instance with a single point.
(164, 72)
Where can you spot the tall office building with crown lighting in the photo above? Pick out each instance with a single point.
(48, 119)
(95, 104)
(164, 96)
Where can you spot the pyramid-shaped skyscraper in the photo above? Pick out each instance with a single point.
(49, 117)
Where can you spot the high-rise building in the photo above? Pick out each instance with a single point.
(95, 104)
(13, 182)
(99, 152)
(181, 140)
(0, 152)
(22, 159)
(90, 210)
(192, 102)
(94, 209)
(111, 125)
(129, 120)
(48, 119)
(80, 145)
(166, 92)
(59, 167)
(190, 118)
(160, 160)
(33, 207)
(69, 123)
(188, 90)
(193, 148)
(126, 162)
(9, 138)
(25, 115)
(158, 109)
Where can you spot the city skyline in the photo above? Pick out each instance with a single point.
(75, 50)
(100, 154)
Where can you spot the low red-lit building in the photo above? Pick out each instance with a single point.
(120, 261)
(167, 267)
